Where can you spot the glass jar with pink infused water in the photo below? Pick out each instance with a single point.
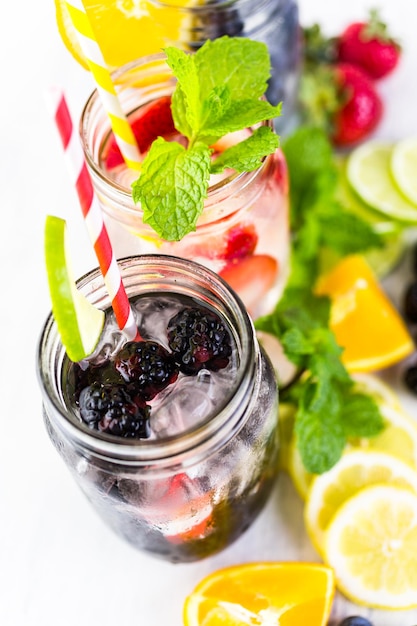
(242, 232)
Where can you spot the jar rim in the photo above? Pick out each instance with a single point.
(50, 356)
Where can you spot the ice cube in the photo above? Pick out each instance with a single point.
(186, 404)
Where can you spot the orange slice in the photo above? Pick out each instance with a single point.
(124, 29)
(288, 594)
(364, 320)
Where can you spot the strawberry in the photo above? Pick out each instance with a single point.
(341, 99)
(251, 277)
(369, 46)
(362, 108)
(241, 241)
(154, 120)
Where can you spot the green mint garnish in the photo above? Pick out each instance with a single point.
(329, 409)
(218, 91)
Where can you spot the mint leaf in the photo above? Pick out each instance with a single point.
(360, 415)
(172, 187)
(241, 114)
(238, 62)
(184, 69)
(327, 407)
(320, 435)
(248, 154)
(218, 91)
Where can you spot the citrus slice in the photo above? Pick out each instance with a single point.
(404, 167)
(288, 594)
(124, 29)
(285, 428)
(380, 223)
(365, 322)
(369, 173)
(375, 387)
(355, 470)
(300, 476)
(372, 546)
(79, 322)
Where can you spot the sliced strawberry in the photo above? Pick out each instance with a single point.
(251, 278)
(199, 524)
(154, 120)
(241, 241)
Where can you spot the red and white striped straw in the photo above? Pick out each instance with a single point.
(92, 213)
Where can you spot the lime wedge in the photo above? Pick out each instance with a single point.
(369, 174)
(79, 322)
(404, 167)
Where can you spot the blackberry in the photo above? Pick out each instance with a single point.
(355, 620)
(410, 302)
(147, 366)
(111, 409)
(199, 339)
(104, 373)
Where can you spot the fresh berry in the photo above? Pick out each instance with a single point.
(355, 620)
(361, 110)
(341, 100)
(80, 377)
(240, 242)
(147, 365)
(251, 278)
(199, 339)
(369, 46)
(410, 378)
(111, 409)
(410, 303)
(155, 121)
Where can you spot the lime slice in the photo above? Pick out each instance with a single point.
(79, 322)
(381, 223)
(404, 167)
(369, 173)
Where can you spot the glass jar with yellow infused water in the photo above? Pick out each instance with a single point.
(216, 193)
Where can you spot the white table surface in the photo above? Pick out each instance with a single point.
(59, 564)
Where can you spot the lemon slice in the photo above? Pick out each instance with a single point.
(398, 438)
(355, 470)
(371, 544)
(369, 173)
(79, 322)
(374, 386)
(404, 167)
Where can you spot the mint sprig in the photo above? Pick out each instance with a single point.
(329, 408)
(218, 91)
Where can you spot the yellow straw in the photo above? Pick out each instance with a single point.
(121, 128)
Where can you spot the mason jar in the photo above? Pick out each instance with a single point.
(202, 477)
(243, 231)
(273, 22)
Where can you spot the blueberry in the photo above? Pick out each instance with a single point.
(410, 378)
(199, 339)
(410, 302)
(355, 620)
